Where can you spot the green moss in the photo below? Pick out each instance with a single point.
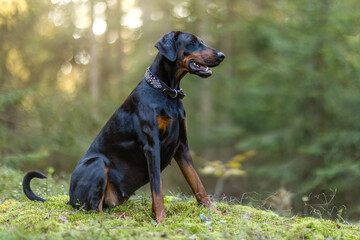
(24, 219)
(54, 219)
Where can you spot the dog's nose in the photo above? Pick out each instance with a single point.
(220, 56)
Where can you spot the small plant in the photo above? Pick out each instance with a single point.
(223, 171)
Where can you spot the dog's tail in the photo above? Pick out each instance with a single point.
(26, 185)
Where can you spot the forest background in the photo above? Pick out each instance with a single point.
(277, 124)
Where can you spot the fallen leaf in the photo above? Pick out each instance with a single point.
(63, 218)
(203, 217)
(192, 236)
(121, 215)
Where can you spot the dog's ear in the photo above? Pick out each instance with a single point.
(167, 46)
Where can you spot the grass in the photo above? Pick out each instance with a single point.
(24, 219)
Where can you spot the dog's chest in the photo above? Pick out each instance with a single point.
(169, 132)
(168, 121)
(163, 122)
(168, 129)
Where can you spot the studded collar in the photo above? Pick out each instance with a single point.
(156, 83)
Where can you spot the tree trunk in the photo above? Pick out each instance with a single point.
(93, 71)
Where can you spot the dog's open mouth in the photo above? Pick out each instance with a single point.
(199, 69)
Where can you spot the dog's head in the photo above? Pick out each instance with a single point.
(189, 52)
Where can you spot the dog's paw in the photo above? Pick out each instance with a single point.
(160, 217)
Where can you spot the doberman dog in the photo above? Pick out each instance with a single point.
(144, 134)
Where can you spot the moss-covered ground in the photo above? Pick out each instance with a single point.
(24, 219)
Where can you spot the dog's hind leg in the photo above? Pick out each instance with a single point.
(88, 183)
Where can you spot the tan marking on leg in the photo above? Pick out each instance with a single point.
(100, 207)
(111, 198)
(195, 183)
(109, 195)
(158, 205)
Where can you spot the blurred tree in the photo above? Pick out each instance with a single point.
(93, 71)
(300, 71)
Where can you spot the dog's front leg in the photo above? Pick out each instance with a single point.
(152, 153)
(184, 160)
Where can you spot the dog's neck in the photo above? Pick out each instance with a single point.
(167, 71)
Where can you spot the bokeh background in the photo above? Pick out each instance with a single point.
(278, 123)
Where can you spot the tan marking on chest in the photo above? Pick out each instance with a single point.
(163, 122)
